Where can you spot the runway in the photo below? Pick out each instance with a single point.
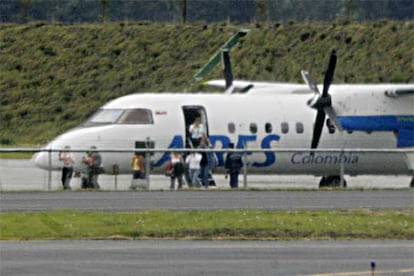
(191, 257)
(154, 257)
(188, 257)
(206, 200)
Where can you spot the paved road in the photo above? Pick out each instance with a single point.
(207, 200)
(205, 258)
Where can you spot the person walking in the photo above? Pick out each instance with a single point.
(68, 161)
(233, 164)
(197, 131)
(138, 168)
(93, 160)
(193, 162)
(177, 162)
(205, 163)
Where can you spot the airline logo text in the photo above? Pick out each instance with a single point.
(297, 158)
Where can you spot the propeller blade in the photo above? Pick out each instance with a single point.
(310, 81)
(329, 74)
(317, 129)
(228, 75)
(322, 103)
(229, 90)
(332, 115)
(246, 88)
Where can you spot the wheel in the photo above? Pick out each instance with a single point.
(322, 182)
(331, 181)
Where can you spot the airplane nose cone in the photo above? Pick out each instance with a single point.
(41, 159)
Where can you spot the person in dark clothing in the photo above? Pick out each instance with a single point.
(233, 164)
(93, 160)
(207, 162)
(177, 163)
(204, 169)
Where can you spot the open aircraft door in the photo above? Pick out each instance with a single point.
(190, 113)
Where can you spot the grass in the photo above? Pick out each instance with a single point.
(52, 76)
(16, 155)
(240, 224)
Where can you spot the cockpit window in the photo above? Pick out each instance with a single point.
(136, 116)
(105, 116)
(121, 116)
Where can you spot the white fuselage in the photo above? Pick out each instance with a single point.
(260, 119)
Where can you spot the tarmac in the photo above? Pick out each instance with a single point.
(171, 257)
(206, 200)
(23, 189)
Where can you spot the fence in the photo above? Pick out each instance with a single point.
(24, 175)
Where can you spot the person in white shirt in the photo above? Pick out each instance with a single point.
(193, 162)
(197, 131)
(68, 161)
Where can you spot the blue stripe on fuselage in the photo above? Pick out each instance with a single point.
(402, 124)
(377, 123)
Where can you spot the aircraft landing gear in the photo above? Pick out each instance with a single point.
(331, 181)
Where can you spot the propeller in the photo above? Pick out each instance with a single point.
(322, 102)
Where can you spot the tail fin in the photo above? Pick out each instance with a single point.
(217, 57)
(228, 74)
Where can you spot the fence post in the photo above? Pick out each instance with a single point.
(115, 171)
(244, 167)
(147, 163)
(49, 172)
(341, 175)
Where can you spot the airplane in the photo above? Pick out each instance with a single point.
(261, 116)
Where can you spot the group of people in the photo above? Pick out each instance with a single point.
(198, 163)
(93, 162)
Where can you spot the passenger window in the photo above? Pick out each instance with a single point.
(299, 127)
(268, 127)
(253, 128)
(231, 127)
(136, 116)
(285, 127)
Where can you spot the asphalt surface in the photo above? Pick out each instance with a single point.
(339, 258)
(166, 257)
(207, 200)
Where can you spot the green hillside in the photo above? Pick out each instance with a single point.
(52, 77)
